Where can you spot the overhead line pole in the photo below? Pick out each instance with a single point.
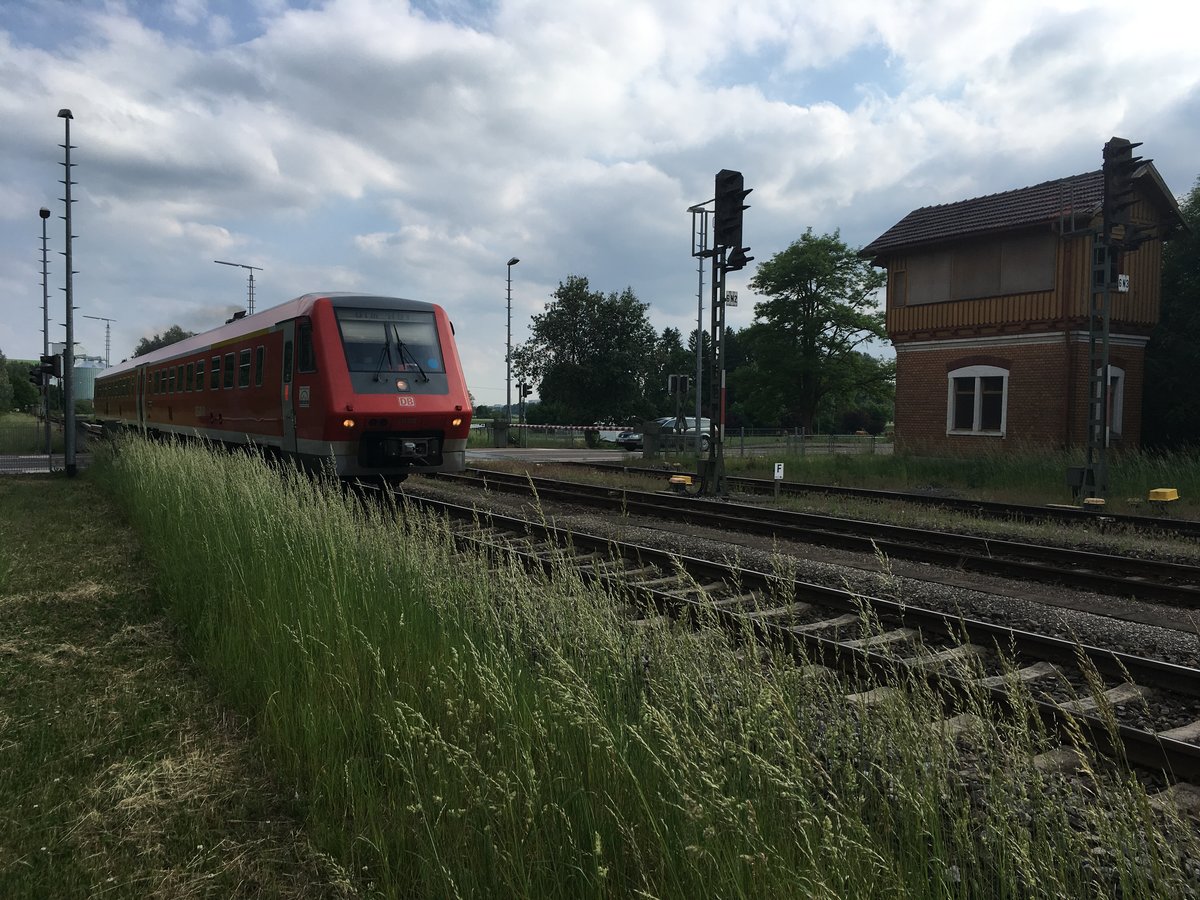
(107, 336)
(45, 214)
(68, 363)
(508, 353)
(249, 282)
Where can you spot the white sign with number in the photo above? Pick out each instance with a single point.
(1123, 284)
(779, 471)
(731, 298)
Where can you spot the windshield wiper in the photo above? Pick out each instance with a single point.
(386, 352)
(404, 351)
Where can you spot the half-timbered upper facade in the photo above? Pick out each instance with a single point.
(988, 306)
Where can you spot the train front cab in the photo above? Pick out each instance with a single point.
(374, 384)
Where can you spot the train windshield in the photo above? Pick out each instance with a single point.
(390, 340)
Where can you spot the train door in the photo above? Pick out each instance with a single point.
(287, 398)
(140, 407)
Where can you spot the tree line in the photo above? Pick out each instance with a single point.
(1171, 401)
(802, 362)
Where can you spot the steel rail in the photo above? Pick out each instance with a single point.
(988, 508)
(1126, 576)
(1179, 759)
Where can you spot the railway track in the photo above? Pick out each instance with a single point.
(986, 508)
(1124, 576)
(840, 631)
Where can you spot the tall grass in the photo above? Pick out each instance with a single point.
(24, 434)
(459, 728)
(1016, 477)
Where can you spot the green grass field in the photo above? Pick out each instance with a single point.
(21, 433)
(453, 728)
(120, 774)
(1015, 478)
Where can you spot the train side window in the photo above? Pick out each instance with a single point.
(287, 362)
(199, 374)
(228, 381)
(244, 368)
(306, 360)
(260, 359)
(179, 374)
(191, 376)
(171, 381)
(214, 377)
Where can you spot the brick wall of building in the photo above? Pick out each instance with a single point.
(1047, 394)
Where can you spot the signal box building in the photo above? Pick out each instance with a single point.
(988, 306)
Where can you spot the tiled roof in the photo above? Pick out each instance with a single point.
(1046, 202)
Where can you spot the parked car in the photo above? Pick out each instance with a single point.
(632, 440)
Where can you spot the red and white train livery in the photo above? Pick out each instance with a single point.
(372, 384)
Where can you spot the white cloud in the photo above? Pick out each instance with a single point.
(375, 145)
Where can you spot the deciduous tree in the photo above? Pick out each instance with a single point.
(6, 388)
(820, 310)
(1171, 409)
(172, 335)
(590, 354)
(24, 394)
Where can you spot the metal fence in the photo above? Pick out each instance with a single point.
(753, 441)
(738, 441)
(23, 448)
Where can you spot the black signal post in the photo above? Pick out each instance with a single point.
(728, 255)
(1119, 168)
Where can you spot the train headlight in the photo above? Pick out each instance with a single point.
(402, 384)
(456, 422)
(347, 423)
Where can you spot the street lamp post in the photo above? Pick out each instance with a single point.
(249, 283)
(508, 352)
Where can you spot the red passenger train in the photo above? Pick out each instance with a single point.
(372, 384)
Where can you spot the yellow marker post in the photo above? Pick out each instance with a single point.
(1161, 498)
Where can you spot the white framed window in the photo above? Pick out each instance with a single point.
(977, 400)
(1116, 400)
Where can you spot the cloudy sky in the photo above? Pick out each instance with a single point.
(412, 148)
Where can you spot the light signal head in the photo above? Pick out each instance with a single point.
(1119, 167)
(727, 218)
